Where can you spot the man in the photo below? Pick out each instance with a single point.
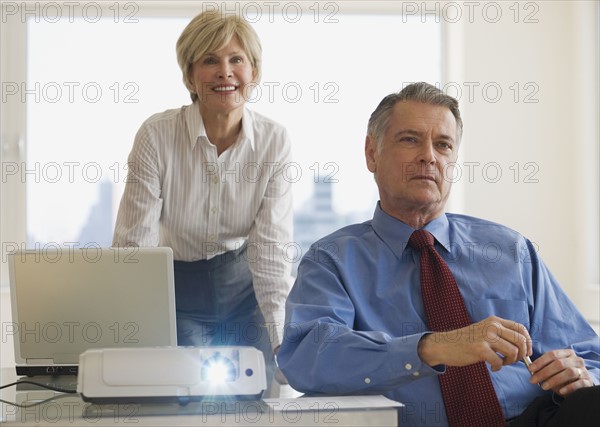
(356, 320)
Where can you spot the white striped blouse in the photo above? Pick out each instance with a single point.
(181, 194)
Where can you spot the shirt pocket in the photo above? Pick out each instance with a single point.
(513, 309)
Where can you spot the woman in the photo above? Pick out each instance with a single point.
(207, 180)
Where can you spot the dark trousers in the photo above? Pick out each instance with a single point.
(581, 408)
(216, 305)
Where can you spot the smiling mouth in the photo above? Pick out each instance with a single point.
(228, 88)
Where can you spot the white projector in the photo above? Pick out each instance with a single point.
(171, 374)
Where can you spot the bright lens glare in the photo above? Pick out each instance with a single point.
(218, 369)
(217, 372)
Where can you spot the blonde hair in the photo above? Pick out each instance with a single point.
(209, 32)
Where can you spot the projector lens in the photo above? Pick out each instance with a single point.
(218, 369)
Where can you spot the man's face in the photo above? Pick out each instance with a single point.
(414, 166)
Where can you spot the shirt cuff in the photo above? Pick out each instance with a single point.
(404, 357)
(274, 325)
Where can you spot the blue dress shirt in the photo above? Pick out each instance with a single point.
(355, 314)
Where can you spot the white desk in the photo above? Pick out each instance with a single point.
(70, 410)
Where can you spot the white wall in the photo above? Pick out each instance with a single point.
(557, 56)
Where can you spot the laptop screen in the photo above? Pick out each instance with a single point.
(65, 301)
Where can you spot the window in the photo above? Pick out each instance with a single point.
(92, 81)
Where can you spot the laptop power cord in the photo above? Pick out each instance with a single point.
(42, 385)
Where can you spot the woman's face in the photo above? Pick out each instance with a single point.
(221, 78)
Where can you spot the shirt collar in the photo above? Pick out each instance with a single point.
(395, 233)
(196, 129)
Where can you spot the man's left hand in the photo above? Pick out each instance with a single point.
(561, 371)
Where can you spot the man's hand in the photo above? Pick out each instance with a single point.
(561, 371)
(494, 340)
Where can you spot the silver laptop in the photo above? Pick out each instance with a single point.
(66, 300)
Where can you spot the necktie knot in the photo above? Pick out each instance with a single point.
(420, 239)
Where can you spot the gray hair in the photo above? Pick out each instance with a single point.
(418, 92)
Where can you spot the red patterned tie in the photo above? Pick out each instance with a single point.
(469, 395)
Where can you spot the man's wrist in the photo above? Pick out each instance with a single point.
(426, 350)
